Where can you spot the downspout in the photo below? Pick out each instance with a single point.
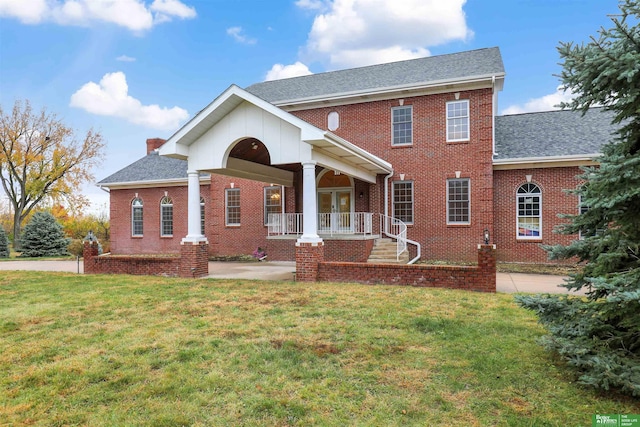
(386, 193)
(494, 96)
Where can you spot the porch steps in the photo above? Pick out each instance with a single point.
(384, 252)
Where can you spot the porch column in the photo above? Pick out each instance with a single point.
(194, 248)
(309, 204)
(193, 209)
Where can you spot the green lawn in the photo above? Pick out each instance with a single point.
(123, 350)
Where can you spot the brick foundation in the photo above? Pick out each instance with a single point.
(334, 250)
(308, 257)
(480, 278)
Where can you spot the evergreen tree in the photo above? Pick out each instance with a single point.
(4, 244)
(43, 236)
(600, 335)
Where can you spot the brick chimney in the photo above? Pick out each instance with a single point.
(154, 143)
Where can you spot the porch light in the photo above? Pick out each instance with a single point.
(361, 195)
(486, 236)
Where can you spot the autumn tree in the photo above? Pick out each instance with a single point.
(600, 335)
(42, 159)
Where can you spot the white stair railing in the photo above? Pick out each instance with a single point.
(397, 229)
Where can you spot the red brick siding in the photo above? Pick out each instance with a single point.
(428, 162)
(475, 278)
(308, 256)
(137, 265)
(552, 182)
(334, 250)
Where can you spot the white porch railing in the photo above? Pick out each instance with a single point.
(360, 223)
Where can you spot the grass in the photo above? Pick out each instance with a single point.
(123, 350)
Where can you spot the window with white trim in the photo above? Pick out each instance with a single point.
(136, 217)
(403, 201)
(458, 120)
(202, 215)
(458, 201)
(529, 211)
(166, 217)
(273, 202)
(232, 203)
(402, 118)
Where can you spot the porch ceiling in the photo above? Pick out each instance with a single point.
(207, 140)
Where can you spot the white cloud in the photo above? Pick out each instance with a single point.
(27, 11)
(280, 71)
(125, 58)
(134, 15)
(360, 32)
(544, 103)
(312, 4)
(110, 98)
(237, 34)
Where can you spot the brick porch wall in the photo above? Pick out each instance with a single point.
(334, 250)
(480, 278)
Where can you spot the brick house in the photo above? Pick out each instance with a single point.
(412, 151)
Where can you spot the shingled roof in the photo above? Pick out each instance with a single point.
(552, 133)
(152, 167)
(415, 72)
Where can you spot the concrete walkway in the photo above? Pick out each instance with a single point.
(272, 270)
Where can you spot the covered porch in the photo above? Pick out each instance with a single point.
(240, 135)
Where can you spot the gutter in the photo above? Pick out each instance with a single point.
(387, 90)
(150, 183)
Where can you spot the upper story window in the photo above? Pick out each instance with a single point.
(333, 121)
(273, 202)
(232, 203)
(529, 211)
(402, 118)
(166, 216)
(458, 121)
(136, 217)
(403, 201)
(458, 201)
(202, 215)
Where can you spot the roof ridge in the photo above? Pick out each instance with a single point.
(547, 111)
(363, 67)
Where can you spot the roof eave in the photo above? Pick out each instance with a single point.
(489, 78)
(545, 161)
(150, 183)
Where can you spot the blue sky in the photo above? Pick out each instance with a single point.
(135, 69)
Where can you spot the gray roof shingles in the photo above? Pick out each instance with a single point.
(481, 62)
(152, 167)
(552, 133)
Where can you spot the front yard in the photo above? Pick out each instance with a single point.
(123, 350)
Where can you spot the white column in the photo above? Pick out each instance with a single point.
(193, 209)
(309, 204)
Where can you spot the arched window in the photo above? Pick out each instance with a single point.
(529, 212)
(166, 216)
(136, 217)
(202, 215)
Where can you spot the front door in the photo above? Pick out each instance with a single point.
(334, 210)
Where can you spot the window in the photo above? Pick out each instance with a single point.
(458, 121)
(403, 201)
(583, 208)
(136, 217)
(402, 126)
(273, 201)
(166, 216)
(333, 121)
(202, 215)
(529, 208)
(458, 201)
(232, 201)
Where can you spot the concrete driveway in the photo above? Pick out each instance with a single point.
(272, 270)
